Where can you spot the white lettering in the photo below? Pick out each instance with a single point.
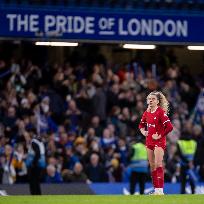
(11, 18)
(103, 23)
(61, 24)
(146, 28)
(182, 28)
(153, 27)
(70, 19)
(157, 27)
(89, 25)
(121, 30)
(34, 23)
(22, 23)
(134, 27)
(111, 22)
(78, 24)
(151, 125)
(170, 28)
(49, 22)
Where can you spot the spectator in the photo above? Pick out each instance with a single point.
(9, 173)
(70, 158)
(80, 113)
(107, 139)
(77, 175)
(19, 164)
(52, 176)
(95, 171)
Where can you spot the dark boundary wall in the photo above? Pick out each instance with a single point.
(48, 189)
(94, 188)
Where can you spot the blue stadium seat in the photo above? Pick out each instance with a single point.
(114, 4)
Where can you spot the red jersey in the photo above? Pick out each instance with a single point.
(156, 122)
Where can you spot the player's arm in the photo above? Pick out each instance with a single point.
(143, 124)
(166, 123)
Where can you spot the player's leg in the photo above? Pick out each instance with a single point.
(159, 155)
(150, 155)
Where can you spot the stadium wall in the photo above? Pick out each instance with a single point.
(96, 188)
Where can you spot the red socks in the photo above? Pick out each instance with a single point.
(158, 177)
(154, 180)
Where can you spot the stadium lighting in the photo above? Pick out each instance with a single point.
(195, 47)
(57, 44)
(139, 46)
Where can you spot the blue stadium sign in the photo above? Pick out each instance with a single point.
(100, 26)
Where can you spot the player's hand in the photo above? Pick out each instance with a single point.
(144, 132)
(156, 136)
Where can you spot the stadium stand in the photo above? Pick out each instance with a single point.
(194, 5)
(84, 112)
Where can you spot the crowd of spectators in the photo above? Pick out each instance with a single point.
(87, 118)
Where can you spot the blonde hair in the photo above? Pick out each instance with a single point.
(163, 103)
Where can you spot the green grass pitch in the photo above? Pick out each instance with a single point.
(98, 199)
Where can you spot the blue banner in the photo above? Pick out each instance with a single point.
(100, 26)
(123, 188)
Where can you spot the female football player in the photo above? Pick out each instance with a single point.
(155, 125)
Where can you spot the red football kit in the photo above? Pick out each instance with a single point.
(156, 122)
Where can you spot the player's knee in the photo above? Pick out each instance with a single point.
(152, 166)
(158, 164)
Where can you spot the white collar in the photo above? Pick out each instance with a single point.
(154, 111)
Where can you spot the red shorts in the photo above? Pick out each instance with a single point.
(152, 147)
